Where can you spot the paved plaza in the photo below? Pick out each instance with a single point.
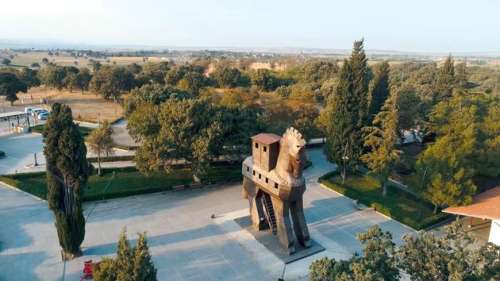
(186, 243)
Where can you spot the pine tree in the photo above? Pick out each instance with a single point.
(144, 269)
(124, 258)
(445, 80)
(67, 174)
(381, 140)
(379, 90)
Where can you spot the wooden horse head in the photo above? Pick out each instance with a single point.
(292, 157)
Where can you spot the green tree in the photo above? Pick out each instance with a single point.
(424, 256)
(226, 77)
(237, 124)
(305, 120)
(67, 174)
(112, 81)
(6, 61)
(70, 81)
(379, 91)
(445, 79)
(130, 264)
(448, 165)
(152, 94)
(106, 271)
(83, 79)
(124, 259)
(410, 108)
(318, 71)
(29, 77)
(461, 75)
(192, 82)
(489, 157)
(10, 85)
(154, 72)
(100, 142)
(360, 81)
(326, 269)
(381, 140)
(346, 112)
(265, 80)
(144, 269)
(341, 123)
(448, 257)
(377, 262)
(187, 131)
(52, 76)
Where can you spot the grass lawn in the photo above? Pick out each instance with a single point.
(84, 131)
(399, 205)
(126, 181)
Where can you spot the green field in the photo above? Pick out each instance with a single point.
(399, 205)
(126, 181)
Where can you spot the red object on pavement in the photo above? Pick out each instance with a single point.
(87, 270)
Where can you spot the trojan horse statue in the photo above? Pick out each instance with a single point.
(274, 186)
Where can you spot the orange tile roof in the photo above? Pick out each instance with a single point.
(266, 138)
(485, 205)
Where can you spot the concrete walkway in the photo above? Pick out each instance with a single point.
(186, 244)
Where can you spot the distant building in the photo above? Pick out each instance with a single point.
(484, 214)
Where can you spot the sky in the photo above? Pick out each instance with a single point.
(396, 25)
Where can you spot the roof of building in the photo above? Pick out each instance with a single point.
(485, 205)
(266, 138)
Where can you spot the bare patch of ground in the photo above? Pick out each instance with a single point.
(86, 106)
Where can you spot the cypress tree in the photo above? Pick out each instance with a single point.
(341, 134)
(361, 79)
(144, 269)
(67, 174)
(379, 90)
(348, 111)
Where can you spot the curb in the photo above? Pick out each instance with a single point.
(368, 208)
(22, 191)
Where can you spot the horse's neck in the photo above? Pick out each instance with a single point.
(283, 159)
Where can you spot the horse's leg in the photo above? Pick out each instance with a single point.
(283, 224)
(299, 223)
(256, 209)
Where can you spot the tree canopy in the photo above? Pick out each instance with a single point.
(10, 85)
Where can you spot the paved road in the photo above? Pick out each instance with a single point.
(20, 150)
(186, 244)
(121, 135)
